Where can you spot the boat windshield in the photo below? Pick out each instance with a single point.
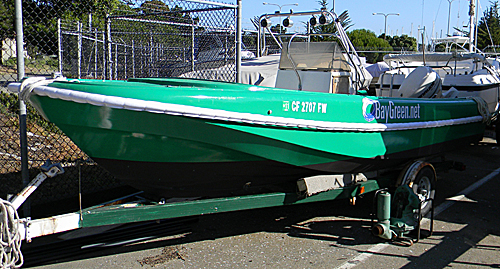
(314, 56)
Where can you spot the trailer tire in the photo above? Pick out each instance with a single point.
(424, 186)
(497, 131)
(421, 178)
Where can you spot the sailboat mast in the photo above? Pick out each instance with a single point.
(472, 24)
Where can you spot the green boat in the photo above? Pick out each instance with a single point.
(175, 137)
(183, 137)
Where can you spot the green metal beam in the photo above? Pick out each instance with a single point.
(123, 214)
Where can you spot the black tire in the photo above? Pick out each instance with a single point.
(424, 186)
(497, 132)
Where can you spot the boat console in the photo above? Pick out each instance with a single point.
(316, 67)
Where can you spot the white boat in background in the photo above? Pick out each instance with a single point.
(464, 70)
(463, 74)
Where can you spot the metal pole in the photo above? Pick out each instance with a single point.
(125, 60)
(449, 14)
(59, 44)
(110, 57)
(116, 62)
(475, 24)
(192, 46)
(238, 43)
(19, 39)
(96, 51)
(385, 20)
(22, 106)
(471, 24)
(79, 30)
(264, 45)
(150, 53)
(133, 59)
(308, 32)
(258, 41)
(157, 58)
(104, 68)
(385, 27)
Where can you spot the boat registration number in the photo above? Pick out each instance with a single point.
(305, 107)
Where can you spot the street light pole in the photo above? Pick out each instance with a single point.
(385, 20)
(449, 13)
(280, 6)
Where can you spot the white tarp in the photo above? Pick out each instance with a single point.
(377, 69)
(261, 71)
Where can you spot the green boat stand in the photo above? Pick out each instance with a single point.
(399, 218)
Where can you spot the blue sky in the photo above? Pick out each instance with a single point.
(433, 14)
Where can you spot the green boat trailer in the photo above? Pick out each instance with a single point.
(419, 177)
(142, 210)
(126, 213)
(134, 208)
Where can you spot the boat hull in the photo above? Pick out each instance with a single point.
(249, 177)
(174, 154)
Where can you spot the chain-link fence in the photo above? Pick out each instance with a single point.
(112, 39)
(45, 141)
(151, 39)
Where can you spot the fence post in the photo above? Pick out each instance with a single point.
(22, 106)
(59, 44)
(238, 43)
(96, 51)
(150, 53)
(116, 61)
(192, 45)
(79, 56)
(133, 59)
(110, 56)
(125, 60)
(104, 63)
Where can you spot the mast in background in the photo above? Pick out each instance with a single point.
(472, 24)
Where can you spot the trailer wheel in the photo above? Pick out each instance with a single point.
(421, 178)
(497, 132)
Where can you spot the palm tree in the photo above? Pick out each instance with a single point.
(330, 28)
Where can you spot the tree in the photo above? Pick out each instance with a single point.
(402, 43)
(278, 28)
(330, 28)
(157, 10)
(41, 16)
(366, 40)
(40, 19)
(6, 19)
(489, 27)
(153, 11)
